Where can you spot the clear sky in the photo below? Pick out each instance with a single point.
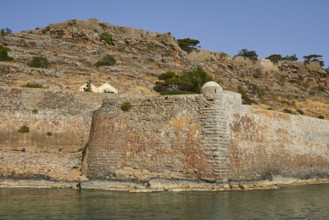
(286, 27)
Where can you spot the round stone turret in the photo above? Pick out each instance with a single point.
(212, 90)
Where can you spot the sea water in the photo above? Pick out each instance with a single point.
(297, 202)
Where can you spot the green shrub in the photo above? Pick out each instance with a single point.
(126, 106)
(187, 82)
(45, 30)
(39, 62)
(5, 31)
(274, 58)
(107, 38)
(290, 58)
(251, 54)
(187, 44)
(166, 75)
(107, 60)
(49, 133)
(34, 85)
(35, 111)
(103, 25)
(314, 58)
(222, 55)
(4, 54)
(24, 129)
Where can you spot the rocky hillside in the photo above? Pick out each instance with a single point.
(73, 47)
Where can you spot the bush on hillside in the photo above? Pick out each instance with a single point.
(45, 30)
(166, 75)
(126, 106)
(187, 82)
(290, 58)
(187, 44)
(107, 38)
(274, 58)
(5, 31)
(35, 111)
(35, 85)
(251, 54)
(4, 54)
(103, 25)
(24, 129)
(107, 60)
(39, 62)
(314, 58)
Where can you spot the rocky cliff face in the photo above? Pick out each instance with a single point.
(73, 47)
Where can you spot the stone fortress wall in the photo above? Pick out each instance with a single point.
(211, 137)
(59, 124)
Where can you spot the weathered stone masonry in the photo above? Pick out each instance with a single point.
(59, 124)
(210, 137)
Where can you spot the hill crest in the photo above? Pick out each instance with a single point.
(73, 47)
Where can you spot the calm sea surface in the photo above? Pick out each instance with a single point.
(299, 202)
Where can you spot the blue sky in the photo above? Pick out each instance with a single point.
(267, 26)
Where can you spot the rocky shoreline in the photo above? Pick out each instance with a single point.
(160, 185)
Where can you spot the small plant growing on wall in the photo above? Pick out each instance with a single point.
(49, 133)
(35, 111)
(24, 129)
(126, 106)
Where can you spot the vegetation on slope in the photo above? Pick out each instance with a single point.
(74, 48)
(4, 54)
(187, 82)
